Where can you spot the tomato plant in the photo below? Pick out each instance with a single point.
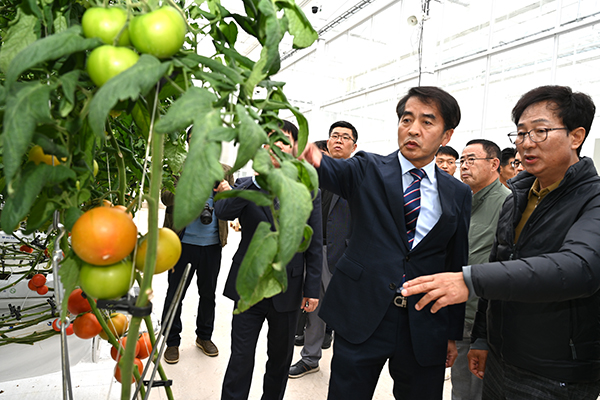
(86, 326)
(168, 251)
(134, 127)
(32, 286)
(106, 24)
(117, 323)
(103, 236)
(106, 282)
(106, 62)
(139, 365)
(160, 32)
(78, 304)
(145, 346)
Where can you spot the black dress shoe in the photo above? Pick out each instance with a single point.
(327, 341)
(299, 340)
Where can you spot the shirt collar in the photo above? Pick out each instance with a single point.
(407, 166)
(540, 194)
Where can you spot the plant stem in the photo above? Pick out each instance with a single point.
(121, 168)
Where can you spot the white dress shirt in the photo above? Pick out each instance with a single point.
(431, 208)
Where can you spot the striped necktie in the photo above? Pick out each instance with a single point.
(412, 204)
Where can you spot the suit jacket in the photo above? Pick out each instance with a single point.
(250, 215)
(338, 230)
(168, 199)
(370, 271)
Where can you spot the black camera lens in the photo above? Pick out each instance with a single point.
(206, 214)
(315, 9)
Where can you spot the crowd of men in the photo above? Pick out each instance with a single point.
(494, 272)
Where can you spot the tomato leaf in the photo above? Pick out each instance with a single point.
(69, 277)
(71, 215)
(27, 188)
(26, 106)
(129, 84)
(192, 105)
(308, 175)
(251, 137)
(175, 155)
(269, 61)
(308, 232)
(259, 198)
(257, 279)
(40, 212)
(299, 26)
(295, 208)
(69, 84)
(49, 48)
(203, 157)
(19, 36)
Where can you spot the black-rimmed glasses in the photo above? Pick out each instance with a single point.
(471, 160)
(344, 138)
(536, 135)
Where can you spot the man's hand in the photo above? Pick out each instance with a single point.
(223, 186)
(452, 353)
(312, 155)
(477, 360)
(309, 305)
(445, 289)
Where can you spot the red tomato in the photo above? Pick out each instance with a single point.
(86, 326)
(137, 362)
(77, 303)
(145, 345)
(42, 290)
(39, 280)
(114, 353)
(26, 249)
(31, 286)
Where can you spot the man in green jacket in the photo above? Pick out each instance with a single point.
(479, 168)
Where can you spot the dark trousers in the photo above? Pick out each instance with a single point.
(503, 381)
(355, 368)
(245, 328)
(206, 263)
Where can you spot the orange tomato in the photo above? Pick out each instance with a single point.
(86, 326)
(103, 236)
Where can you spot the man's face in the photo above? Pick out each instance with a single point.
(482, 172)
(446, 163)
(520, 167)
(421, 132)
(550, 159)
(286, 148)
(341, 143)
(507, 171)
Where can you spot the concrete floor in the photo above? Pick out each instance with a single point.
(196, 376)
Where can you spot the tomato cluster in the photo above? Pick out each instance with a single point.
(160, 33)
(143, 349)
(38, 284)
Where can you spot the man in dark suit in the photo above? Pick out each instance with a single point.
(280, 311)
(373, 322)
(336, 231)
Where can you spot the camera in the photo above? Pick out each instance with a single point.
(206, 214)
(316, 9)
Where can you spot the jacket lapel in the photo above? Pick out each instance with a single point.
(392, 182)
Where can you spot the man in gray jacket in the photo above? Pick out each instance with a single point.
(541, 337)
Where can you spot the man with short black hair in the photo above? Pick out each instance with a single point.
(478, 169)
(537, 334)
(336, 232)
(507, 170)
(408, 219)
(445, 158)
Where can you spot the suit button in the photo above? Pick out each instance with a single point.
(393, 286)
(407, 258)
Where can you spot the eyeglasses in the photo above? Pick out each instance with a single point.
(343, 138)
(471, 160)
(536, 135)
(515, 163)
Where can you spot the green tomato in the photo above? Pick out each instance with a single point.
(106, 282)
(160, 33)
(107, 61)
(105, 23)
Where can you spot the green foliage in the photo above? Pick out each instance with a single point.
(47, 98)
